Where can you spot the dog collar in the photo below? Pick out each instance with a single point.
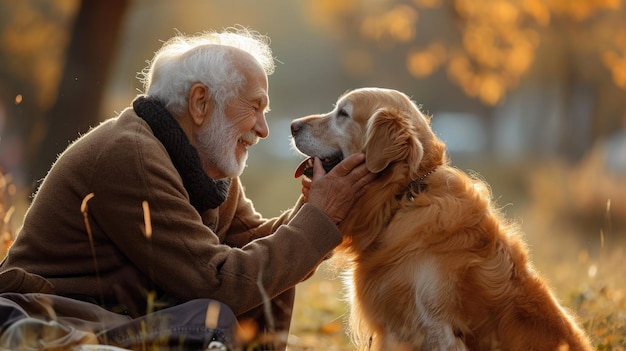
(416, 186)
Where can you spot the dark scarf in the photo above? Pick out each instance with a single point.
(204, 192)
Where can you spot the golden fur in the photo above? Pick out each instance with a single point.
(433, 263)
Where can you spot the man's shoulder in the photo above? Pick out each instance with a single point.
(122, 139)
(120, 133)
(126, 124)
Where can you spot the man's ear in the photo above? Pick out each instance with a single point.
(200, 103)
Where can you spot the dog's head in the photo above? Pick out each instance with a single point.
(382, 123)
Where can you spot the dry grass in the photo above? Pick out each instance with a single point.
(7, 209)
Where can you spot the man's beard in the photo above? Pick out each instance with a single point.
(217, 144)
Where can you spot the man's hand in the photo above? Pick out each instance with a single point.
(336, 192)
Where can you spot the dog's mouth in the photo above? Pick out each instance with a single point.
(306, 167)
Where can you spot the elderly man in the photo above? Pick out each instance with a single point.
(146, 212)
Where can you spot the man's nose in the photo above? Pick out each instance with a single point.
(261, 127)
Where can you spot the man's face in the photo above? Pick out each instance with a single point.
(224, 140)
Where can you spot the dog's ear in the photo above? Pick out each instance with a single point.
(391, 137)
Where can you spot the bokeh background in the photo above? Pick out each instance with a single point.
(530, 94)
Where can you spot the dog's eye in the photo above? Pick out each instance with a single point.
(343, 113)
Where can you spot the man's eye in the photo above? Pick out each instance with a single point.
(343, 113)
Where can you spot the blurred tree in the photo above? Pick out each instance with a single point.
(494, 43)
(53, 76)
(89, 59)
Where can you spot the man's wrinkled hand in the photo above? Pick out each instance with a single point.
(335, 192)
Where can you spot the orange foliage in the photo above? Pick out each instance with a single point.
(499, 38)
(398, 23)
(422, 63)
(497, 48)
(581, 10)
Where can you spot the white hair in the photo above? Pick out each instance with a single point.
(202, 58)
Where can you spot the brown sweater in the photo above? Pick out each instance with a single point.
(220, 254)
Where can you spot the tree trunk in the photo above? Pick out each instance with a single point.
(89, 59)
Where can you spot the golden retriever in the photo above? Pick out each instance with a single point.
(434, 265)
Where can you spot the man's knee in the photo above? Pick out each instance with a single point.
(211, 313)
(195, 324)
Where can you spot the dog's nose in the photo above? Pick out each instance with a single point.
(295, 127)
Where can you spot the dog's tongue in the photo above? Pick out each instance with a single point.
(305, 164)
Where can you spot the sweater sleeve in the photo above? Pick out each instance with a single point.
(183, 256)
(240, 223)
